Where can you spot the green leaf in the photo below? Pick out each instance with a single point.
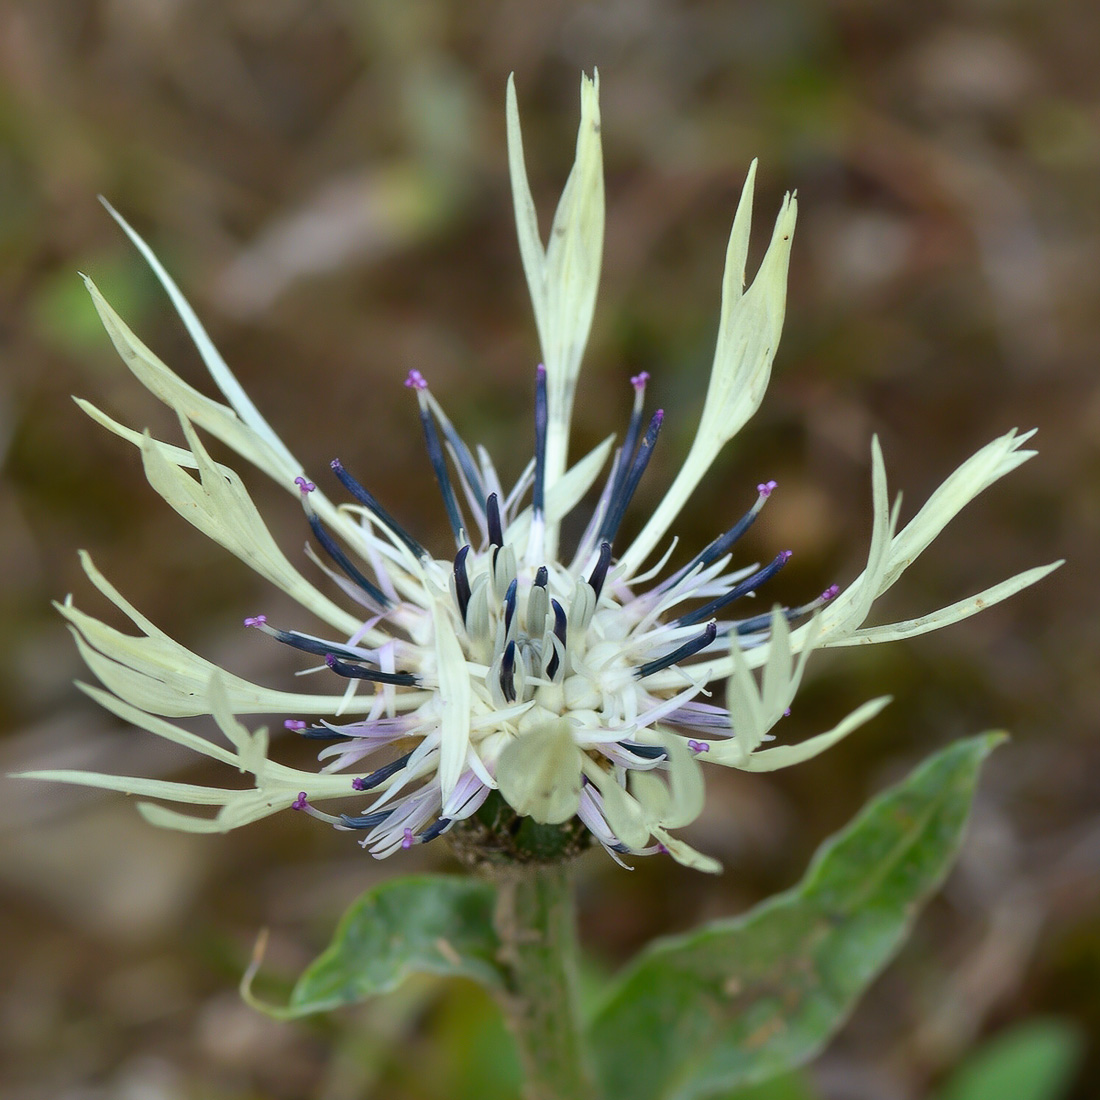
(435, 924)
(1032, 1061)
(743, 1000)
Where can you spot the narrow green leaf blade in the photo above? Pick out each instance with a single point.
(1035, 1060)
(434, 924)
(742, 1000)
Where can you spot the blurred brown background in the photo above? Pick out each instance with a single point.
(327, 181)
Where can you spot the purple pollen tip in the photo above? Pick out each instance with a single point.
(301, 802)
(336, 464)
(416, 381)
(540, 370)
(699, 746)
(330, 659)
(787, 713)
(786, 555)
(662, 849)
(639, 380)
(294, 724)
(407, 842)
(830, 592)
(304, 485)
(359, 784)
(658, 416)
(766, 488)
(255, 620)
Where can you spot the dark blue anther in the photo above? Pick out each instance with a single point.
(599, 572)
(492, 520)
(443, 479)
(688, 649)
(715, 550)
(462, 582)
(646, 752)
(371, 504)
(433, 830)
(357, 672)
(542, 576)
(538, 492)
(510, 605)
(323, 733)
(749, 584)
(626, 452)
(507, 672)
(364, 821)
(306, 644)
(560, 624)
(465, 461)
(624, 490)
(334, 551)
(382, 774)
(759, 622)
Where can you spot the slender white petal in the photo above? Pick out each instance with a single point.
(562, 278)
(784, 756)
(454, 700)
(539, 773)
(211, 357)
(953, 613)
(748, 338)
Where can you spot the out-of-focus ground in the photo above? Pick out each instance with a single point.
(327, 181)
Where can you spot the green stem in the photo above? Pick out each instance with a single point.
(536, 923)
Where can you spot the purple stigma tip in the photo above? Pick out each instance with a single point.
(699, 746)
(787, 713)
(304, 485)
(294, 724)
(639, 380)
(407, 842)
(330, 659)
(255, 620)
(359, 784)
(336, 464)
(766, 488)
(301, 802)
(662, 849)
(540, 370)
(658, 416)
(786, 555)
(830, 592)
(416, 381)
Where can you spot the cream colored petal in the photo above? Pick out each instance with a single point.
(157, 674)
(164, 384)
(748, 338)
(149, 788)
(215, 364)
(158, 726)
(784, 756)
(625, 815)
(680, 801)
(976, 474)
(563, 278)
(953, 613)
(539, 773)
(219, 506)
(531, 251)
(454, 701)
(687, 856)
(251, 745)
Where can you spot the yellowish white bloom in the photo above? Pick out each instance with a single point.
(573, 686)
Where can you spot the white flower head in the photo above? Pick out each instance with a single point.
(573, 691)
